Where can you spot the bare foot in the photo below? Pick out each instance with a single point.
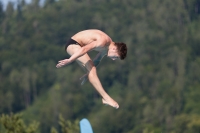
(113, 104)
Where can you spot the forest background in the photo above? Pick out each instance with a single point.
(157, 86)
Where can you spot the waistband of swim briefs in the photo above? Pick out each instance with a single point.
(72, 41)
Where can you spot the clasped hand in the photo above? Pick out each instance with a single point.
(62, 63)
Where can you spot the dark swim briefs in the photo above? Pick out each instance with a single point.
(71, 41)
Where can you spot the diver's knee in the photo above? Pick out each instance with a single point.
(89, 65)
(92, 75)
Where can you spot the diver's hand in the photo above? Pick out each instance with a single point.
(62, 63)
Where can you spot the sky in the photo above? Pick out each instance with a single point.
(5, 2)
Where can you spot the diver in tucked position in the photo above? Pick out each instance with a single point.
(93, 39)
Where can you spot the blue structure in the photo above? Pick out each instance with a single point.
(85, 126)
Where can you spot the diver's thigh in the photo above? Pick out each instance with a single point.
(71, 49)
(84, 61)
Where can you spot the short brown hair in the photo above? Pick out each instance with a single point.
(122, 49)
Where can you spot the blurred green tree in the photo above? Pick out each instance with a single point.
(14, 124)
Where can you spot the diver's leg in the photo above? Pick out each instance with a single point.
(94, 80)
(86, 62)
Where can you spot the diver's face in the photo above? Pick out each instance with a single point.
(113, 53)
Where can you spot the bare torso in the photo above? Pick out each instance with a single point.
(88, 36)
